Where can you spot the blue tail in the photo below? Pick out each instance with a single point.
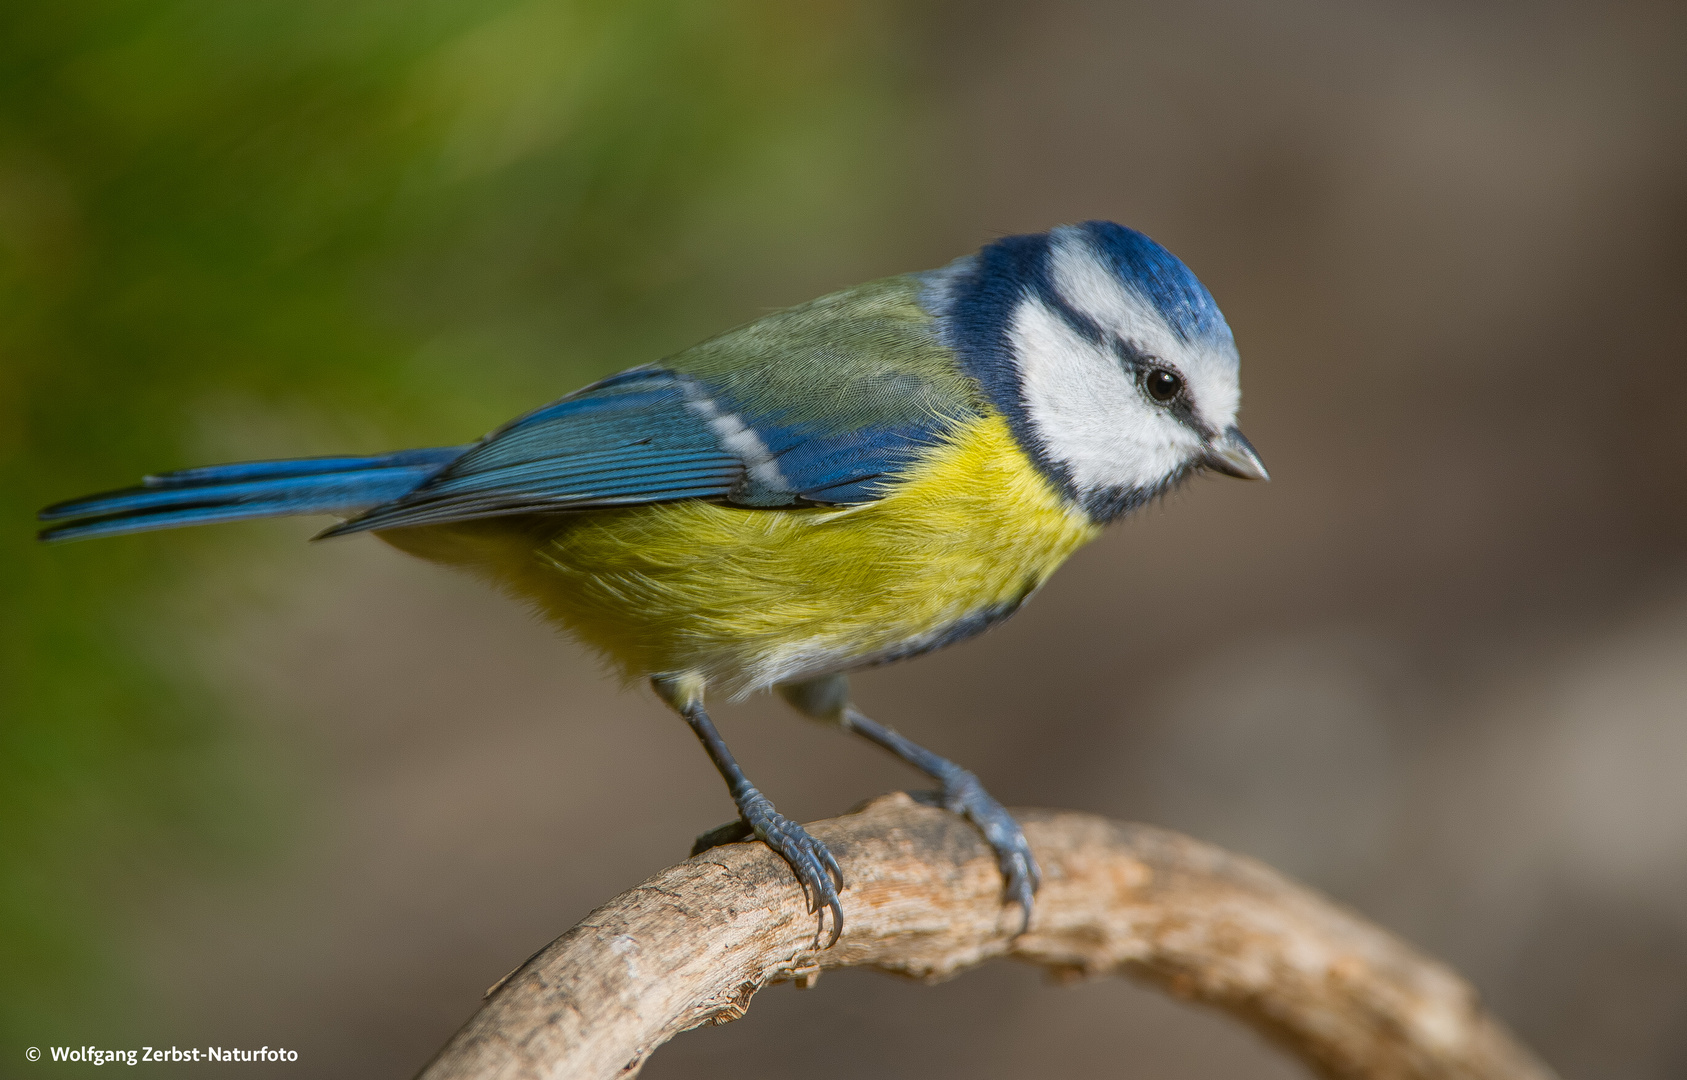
(324, 485)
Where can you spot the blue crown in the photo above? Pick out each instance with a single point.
(1159, 276)
(976, 297)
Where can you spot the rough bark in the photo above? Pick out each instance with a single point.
(691, 946)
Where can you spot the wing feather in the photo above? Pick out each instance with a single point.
(822, 404)
(631, 438)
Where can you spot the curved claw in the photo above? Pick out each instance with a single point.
(1021, 875)
(816, 870)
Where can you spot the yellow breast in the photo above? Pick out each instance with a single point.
(748, 598)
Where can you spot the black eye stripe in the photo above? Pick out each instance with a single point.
(1134, 358)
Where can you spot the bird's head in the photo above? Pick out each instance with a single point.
(1109, 358)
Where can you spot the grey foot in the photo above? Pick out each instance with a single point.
(963, 794)
(817, 872)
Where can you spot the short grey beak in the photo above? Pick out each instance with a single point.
(1233, 455)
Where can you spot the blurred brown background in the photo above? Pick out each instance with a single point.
(1437, 668)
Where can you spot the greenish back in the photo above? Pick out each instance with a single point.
(866, 357)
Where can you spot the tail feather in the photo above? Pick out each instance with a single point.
(338, 485)
(435, 456)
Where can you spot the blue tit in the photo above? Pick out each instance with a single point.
(864, 478)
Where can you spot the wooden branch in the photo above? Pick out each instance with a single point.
(694, 943)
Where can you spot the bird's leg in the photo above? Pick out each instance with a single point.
(828, 699)
(963, 794)
(816, 870)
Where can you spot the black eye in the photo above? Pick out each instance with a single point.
(1162, 385)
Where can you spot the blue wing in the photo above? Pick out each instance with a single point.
(817, 405)
(652, 435)
(633, 438)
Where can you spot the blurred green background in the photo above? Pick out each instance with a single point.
(256, 791)
(279, 228)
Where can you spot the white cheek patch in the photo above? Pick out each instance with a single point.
(1088, 411)
(1089, 286)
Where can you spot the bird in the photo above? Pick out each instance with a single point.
(857, 480)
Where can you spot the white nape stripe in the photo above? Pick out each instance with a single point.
(737, 437)
(1087, 409)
